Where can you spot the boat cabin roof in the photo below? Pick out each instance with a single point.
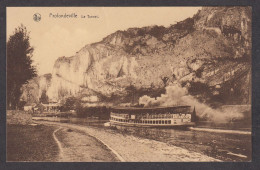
(171, 109)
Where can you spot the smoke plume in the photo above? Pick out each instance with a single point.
(177, 95)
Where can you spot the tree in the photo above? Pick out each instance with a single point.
(44, 98)
(19, 65)
(165, 80)
(131, 90)
(71, 103)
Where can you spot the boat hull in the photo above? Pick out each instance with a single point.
(186, 124)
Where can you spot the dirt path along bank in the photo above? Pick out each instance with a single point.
(77, 146)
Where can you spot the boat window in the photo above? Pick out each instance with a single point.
(162, 121)
(156, 121)
(169, 121)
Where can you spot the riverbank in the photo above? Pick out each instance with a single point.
(48, 143)
(77, 146)
(31, 143)
(133, 149)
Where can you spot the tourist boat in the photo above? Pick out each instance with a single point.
(176, 116)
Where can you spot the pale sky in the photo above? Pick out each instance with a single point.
(56, 37)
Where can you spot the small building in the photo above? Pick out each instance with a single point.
(51, 107)
(29, 106)
(218, 86)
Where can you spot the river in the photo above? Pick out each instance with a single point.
(224, 146)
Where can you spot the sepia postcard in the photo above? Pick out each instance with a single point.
(129, 84)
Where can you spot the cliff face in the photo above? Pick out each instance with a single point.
(213, 47)
(35, 87)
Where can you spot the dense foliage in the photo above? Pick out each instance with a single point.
(19, 65)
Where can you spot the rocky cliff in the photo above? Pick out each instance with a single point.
(213, 48)
(33, 90)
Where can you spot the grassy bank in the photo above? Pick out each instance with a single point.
(18, 117)
(31, 143)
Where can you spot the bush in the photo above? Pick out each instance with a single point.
(101, 112)
(18, 117)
